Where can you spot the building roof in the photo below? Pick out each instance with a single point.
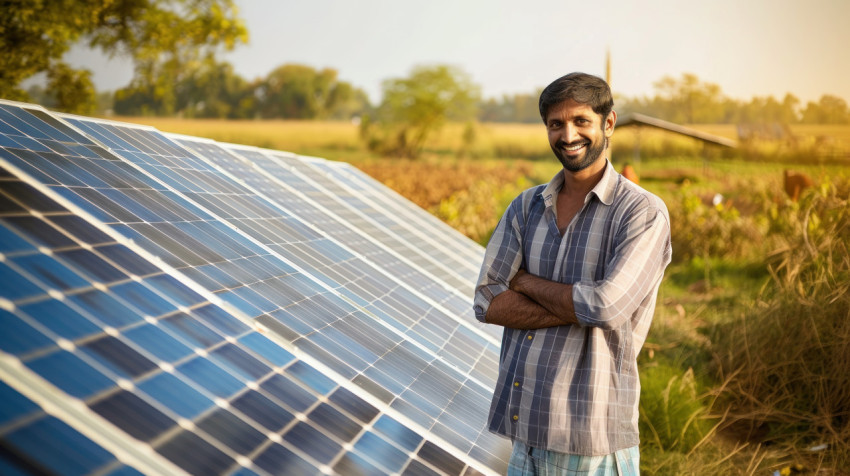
(637, 119)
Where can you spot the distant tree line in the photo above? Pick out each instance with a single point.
(214, 90)
(688, 100)
(173, 45)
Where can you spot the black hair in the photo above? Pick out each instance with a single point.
(580, 87)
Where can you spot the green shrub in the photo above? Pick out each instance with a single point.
(672, 416)
(785, 361)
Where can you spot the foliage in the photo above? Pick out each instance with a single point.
(511, 108)
(295, 91)
(672, 416)
(162, 37)
(688, 100)
(828, 110)
(72, 88)
(785, 361)
(707, 227)
(415, 107)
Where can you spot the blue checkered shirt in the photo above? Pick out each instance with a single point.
(575, 388)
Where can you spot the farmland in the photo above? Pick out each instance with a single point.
(744, 371)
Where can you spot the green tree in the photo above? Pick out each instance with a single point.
(511, 108)
(161, 36)
(213, 89)
(415, 107)
(73, 89)
(828, 110)
(295, 91)
(689, 100)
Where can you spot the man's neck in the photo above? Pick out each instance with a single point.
(579, 184)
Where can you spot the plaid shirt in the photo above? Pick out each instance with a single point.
(575, 388)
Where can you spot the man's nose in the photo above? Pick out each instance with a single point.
(570, 133)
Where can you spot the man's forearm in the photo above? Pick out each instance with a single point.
(556, 298)
(518, 311)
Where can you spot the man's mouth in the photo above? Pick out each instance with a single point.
(574, 147)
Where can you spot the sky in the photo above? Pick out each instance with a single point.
(747, 47)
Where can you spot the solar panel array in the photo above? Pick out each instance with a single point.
(172, 305)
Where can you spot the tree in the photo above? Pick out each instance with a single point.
(512, 108)
(689, 100)
(161, 36)
(73, 89)
(414, 107)
(828, 110)
(295, 91)
(213, 89)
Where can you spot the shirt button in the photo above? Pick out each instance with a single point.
(516, 384)
(530, 337)
(516, 417)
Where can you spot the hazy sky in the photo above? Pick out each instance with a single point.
(747, 47)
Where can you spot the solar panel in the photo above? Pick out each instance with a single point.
(187, 295)
(418, 220)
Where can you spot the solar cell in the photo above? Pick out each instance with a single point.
(184, 302)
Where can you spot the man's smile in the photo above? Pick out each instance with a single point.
(574, 147)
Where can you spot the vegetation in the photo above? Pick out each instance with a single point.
(744, 371)
(415, 107)
(164, 38)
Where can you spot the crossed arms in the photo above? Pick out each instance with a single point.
(532, 302)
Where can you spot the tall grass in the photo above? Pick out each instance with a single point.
(786, 362)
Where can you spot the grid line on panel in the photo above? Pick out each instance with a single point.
(427, 254)
(458, 250)
(306, 254)
(197, 221)
(138, 430)
(259, 178)
(366, 185)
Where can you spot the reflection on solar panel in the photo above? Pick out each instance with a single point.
(171, 304)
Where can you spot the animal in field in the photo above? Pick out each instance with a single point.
(795, 182)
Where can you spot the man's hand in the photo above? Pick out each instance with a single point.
(517, 281)
(520, 308)
(555, 297)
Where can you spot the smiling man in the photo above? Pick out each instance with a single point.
(572, 274)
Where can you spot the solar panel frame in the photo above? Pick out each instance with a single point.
(121, 174)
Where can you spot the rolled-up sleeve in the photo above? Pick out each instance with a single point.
(502, 259)
(642, 253)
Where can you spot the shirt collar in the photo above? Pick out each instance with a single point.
(604, 189)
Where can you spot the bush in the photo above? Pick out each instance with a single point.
(672, 416)
(701, 229)
(786, 360)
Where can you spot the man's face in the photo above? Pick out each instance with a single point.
(578, 136)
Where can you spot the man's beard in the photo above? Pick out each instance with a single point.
(592, 153)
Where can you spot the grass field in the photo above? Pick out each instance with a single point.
(745, 368)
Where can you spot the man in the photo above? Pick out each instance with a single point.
(572, 273)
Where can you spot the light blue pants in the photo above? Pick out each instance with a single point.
(528, 461)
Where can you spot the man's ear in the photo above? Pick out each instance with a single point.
(610, 121)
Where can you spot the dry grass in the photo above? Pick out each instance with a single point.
(292, 136)
(785, 361)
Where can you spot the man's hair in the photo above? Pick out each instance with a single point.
(580, 87)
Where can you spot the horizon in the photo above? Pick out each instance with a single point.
(756, 49)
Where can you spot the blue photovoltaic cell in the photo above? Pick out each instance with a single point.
(212, 389)
(341, 221)
(453, 250)
(394, 206)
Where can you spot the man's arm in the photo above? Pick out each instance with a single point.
(519, 308)
(556, 298)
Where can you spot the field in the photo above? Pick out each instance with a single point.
(745, 368)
